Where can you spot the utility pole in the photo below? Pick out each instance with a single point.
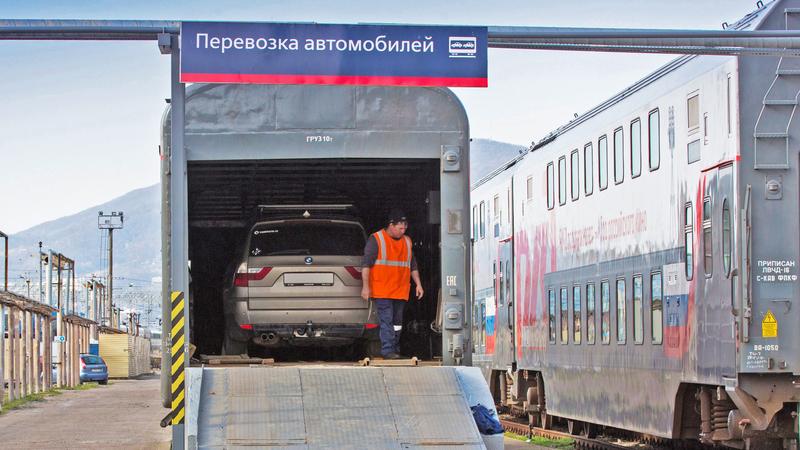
(5, 283)
(60, 264)
(28, 282)
(41, 280)
(112, 221)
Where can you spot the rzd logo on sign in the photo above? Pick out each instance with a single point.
(463, 47)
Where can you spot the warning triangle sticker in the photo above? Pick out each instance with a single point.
(769, 318)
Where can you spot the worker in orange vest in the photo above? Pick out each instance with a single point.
(388, 268)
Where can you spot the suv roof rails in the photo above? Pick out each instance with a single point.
(331, 207)
(339, 211)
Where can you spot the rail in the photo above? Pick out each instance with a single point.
(523, 429)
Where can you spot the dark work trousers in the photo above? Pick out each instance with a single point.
(390, 314)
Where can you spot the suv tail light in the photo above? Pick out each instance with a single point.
(354, 271)
(83, 364)
(244, 276)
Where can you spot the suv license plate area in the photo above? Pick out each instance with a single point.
(308, 279)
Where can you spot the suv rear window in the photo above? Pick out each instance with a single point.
(91, 359)
(307, 238)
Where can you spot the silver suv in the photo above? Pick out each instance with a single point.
(299, 283)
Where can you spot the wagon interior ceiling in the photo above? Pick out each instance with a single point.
(226, 193)
(223, 197)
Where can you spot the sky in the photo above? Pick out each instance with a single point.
(80, 121)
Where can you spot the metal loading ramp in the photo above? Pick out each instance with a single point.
(319, 407)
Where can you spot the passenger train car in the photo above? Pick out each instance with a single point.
(637, 269)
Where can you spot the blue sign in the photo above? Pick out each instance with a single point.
(285, 53)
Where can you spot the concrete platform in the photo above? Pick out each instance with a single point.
(123, 415)
(513, 444)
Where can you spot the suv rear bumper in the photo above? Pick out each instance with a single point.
(307, 334)
(243, 315)
(282, 327)
(279, 317)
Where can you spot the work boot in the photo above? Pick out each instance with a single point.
(392, 355)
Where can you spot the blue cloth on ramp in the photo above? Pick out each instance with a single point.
(486, 420)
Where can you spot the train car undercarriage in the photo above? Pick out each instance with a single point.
(704, 414)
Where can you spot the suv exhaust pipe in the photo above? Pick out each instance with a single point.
(268, 338)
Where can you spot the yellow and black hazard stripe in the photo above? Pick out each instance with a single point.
(178, 373)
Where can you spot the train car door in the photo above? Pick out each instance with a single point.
(716, 260)
(504, 325)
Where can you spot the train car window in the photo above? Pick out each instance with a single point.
(497, 217)
(728, 103)
(693, 151)
(693, 112)
(602, 162)
(576, 314)
(551, 200)
(508, 206)
(529, 188)
(621, 309)
(588, 167)
(708, 248)
(636, 148)
(575, 190)
(551, 312)
(562, 180)
(654, 139)
(726, 238)
(605, 312)
(619, 157)
(501, 287)
(495, 283)
(482, 210)
(564, 316)
(475, 222)
(656, 309)
(688, 240)
(590, 313)
(638, 313)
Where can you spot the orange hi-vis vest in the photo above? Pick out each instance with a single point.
(390, 276)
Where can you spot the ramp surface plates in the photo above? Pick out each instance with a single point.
(297, 408)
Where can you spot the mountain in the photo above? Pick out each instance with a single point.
(137, 247)
(487, 155)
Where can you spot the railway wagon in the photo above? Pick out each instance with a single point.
(371, 147)
(637, 268)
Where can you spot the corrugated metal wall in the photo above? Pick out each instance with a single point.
(140, 356)
(125, 355)
(114, 351)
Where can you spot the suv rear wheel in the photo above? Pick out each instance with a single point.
(231, 346)
(372, 347)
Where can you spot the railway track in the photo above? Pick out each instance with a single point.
(524, 429)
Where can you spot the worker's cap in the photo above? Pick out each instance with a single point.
(397, 216)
